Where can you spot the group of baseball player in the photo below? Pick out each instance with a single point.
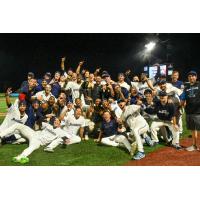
(74, 105)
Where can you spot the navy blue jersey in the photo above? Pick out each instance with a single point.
(165, 112)
(33, 117)
(109, 128)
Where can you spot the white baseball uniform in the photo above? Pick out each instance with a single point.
(136, 123)
(75, 88)
(12, 117)
(36, 138)
(71, 128)
(44, 96)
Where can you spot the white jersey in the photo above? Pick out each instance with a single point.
(48, 134)
(12, 117)
(125, 85)
(170, 90)
(44, 96)
(117, 110)
(131, 115)
(72, 125)
(75, 87)
(140, 86)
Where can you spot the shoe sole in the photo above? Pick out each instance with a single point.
(139, 158)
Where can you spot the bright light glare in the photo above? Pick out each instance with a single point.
(150, 46)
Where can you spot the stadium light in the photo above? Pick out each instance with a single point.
(150, 46)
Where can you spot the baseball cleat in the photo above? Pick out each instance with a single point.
(139, 155)
(155, 143)
(177, 147)
(148, 141)
(133, 148)
(192, 148)
(0, 141)
(24, 160)
(48, 150)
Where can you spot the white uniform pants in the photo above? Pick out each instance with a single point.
(155, 126)
(116, 140)
(74, 139)
(138, 126)
(28, 133)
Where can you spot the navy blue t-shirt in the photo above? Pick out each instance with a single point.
(56, 89)
(178, 84)
(109, 128)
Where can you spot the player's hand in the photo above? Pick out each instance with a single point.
(128, 72)
(81, 63)
(176, 128)
(63, 59)
(169, 101)
(40, 98)
(67, 141)
(8, 91)
(98, 69)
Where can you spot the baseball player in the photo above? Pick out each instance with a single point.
(44, 94)
(166, 117)
(137, 124)
(112, 134)
(73, 125)
(16, 114)
(35, 138)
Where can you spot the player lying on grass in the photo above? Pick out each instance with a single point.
(73, 127)
(113, 134)
(36, 138)
(16, 114)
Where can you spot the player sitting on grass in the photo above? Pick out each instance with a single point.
(73, 127)
(36, 138)
(113, 134)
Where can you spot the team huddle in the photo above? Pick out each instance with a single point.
(75, 105)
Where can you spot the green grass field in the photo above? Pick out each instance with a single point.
(86, 153)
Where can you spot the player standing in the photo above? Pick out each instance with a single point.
(191, 101)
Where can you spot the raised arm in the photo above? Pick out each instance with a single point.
(7, 95)
(63, 63)
(78, 69)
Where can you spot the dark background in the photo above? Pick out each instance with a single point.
(21, 53)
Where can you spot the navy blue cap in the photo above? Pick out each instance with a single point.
(35, 101)
(48, 74)
(148, 91)
(22, 102)
(192, 73)
(162, 94)
(163, 81)
(31, 74)
(120, 100)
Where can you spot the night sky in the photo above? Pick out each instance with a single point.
(21, 53)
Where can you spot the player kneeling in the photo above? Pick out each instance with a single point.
(112, 133)
(36, 138)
